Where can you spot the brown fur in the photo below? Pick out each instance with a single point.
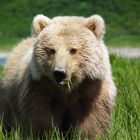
(33, 97)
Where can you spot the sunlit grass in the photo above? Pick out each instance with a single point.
(126, 116)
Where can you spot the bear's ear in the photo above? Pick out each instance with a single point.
(39, 23)
(96, 24)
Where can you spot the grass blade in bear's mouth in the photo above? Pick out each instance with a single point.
(61, 83)
(65, 84)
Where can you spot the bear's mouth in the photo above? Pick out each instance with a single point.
(65, 84)
(61, 83)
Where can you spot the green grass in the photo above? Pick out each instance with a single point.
(1, 70)
(132, 41)
(117, 42)
(8, 44)
(126, 115)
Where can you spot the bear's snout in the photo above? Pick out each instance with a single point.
(59, 75)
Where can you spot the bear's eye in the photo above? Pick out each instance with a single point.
(73, 51)
(50, 50)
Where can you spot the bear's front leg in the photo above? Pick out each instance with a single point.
(97, 121)
(40, 112)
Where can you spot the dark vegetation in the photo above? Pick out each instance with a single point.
(122, 16)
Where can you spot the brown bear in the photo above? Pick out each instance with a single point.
(60, 75)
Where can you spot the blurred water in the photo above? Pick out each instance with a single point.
(2, 62)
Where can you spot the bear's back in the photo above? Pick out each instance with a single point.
(17, 62)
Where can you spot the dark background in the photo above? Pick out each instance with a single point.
(122, 17)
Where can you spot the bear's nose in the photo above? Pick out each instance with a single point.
(59, 75)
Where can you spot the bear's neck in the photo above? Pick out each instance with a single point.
(88, 88)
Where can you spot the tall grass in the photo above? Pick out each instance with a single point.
(1, 70)
(126, 114)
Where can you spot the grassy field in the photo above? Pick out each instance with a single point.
(131, 41)
(8, 44)
(126, 115)
(116, 42)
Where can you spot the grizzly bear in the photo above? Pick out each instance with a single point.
(60, 75)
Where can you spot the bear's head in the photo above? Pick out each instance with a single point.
(69, 49)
